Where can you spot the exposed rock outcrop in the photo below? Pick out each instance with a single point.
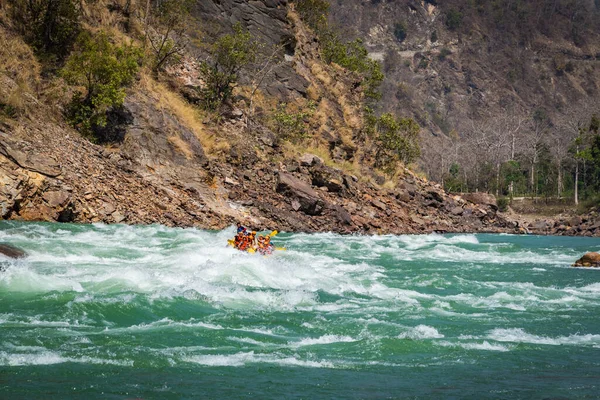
(11, 251)
(588, 260)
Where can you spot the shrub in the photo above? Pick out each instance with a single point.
(398, 140)
(400, 31)
(50, 26)
(290, 125)
(228, 55)
(503, 203)
(104, 70)
(313, 13)
(167, 38)
(444, 52)
(354, 57)
(453, 19)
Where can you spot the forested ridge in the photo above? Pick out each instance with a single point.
(507, 90)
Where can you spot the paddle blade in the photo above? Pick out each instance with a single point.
(280, 248)
(272, 233)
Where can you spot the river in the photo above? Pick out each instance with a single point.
(150, 312)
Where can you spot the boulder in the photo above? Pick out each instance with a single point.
(301, 192)
(57, 199)
(480, 198)
(11, 251)
(457, 211)
(308, 160)
(588, 260)
(329, 177)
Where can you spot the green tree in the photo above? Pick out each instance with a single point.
(291, 125)
(354, 57)
(313, 13)
(50, 26)
(103, 69)
(400, 31)
(228, 56)
(398, 140)
(452, 180)
(167, 33)
(453, 19)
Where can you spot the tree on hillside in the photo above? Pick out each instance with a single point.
(313, 13)
(50, 26)
(539, 124)
(228, 56)
(576, 124)
(103, 70)
(398, 140)
(166, 34)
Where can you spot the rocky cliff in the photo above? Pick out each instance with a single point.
(176, 166)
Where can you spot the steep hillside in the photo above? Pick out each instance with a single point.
(472, 72)
(288, 151)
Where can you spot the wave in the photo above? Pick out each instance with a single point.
(519, 335)
(244, 358)
(49, 357)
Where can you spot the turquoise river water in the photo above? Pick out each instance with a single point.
(149, 312)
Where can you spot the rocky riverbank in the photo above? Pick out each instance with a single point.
(50, 175)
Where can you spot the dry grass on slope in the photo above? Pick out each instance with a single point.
(186, 113)
(19, 74)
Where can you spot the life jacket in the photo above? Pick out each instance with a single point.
(245, 242)
(264, 245)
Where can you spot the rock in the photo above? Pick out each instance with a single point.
(403, 195)
(481, 199)
(329, 177)
(11, 251)
(302, 192)
(308, 160)
(33, 162)
(268, 138)
(56, 199)
(409, 187)
(588, 260)
(118, 217)
(231, 181)
(457, 211)
(435, 195)
(379, 204)
(343, 216)
(107, 209)
(539, 225)
(296, 205)
(575, 221)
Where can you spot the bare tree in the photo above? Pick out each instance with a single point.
(166, 33)
(537, 130)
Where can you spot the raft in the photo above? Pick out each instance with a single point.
(253, 250)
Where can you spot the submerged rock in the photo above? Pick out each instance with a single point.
(588, 260)
(11, 251)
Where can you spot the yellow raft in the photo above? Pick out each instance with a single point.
(252, 250)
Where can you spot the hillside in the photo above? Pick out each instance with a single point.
(287, 151)
(490, 83)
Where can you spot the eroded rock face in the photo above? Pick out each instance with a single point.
(480, 198)
(267, 21)
(301, 194)
(588, 260)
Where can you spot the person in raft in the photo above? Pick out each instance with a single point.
(245, 240)
(264, 245)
